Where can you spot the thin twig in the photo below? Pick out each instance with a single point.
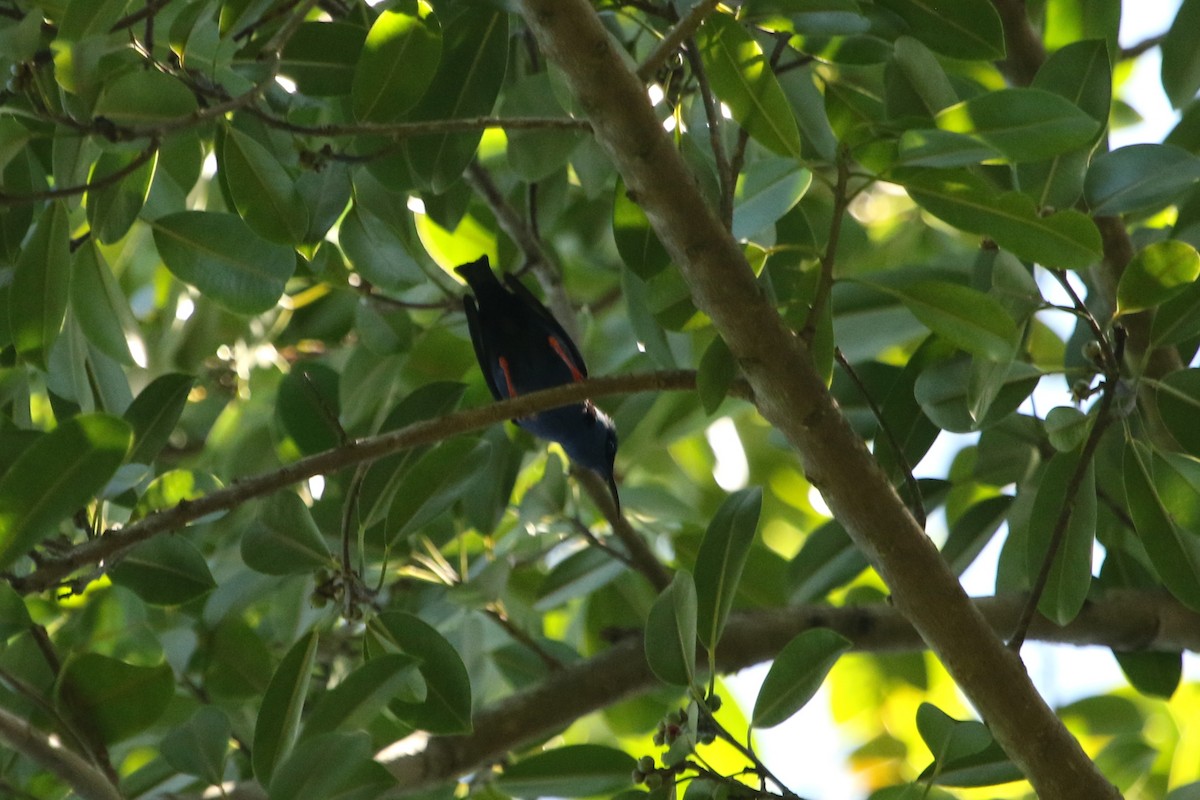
(841, 200)
(70, 191)
(713, 115)
(675, 39)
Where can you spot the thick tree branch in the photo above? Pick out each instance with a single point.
(792, 396)
(88, 782)
(1124, 620)
(116, 541)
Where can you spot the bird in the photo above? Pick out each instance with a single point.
(522, 348)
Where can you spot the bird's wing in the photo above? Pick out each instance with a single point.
(560, 341)
(482, 355)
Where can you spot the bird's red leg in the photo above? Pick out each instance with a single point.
(512, 390)
(562, 353)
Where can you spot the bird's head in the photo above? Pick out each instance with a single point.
(594, 446)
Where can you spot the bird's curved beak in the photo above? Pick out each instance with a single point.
(612, 487)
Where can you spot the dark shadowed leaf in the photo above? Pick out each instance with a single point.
(1022, 124)
(1139, 177)
(37, 298)
(399, 59)
(446, 708)
(969, 29)
(110, 700)
(581, 770)
(279, 714)
(263, 191)
(721, 560)
(362, 695)
(671, 632)
(284, 540)
(165, 571)
(199, 746)
(796, 675)
(154, 414)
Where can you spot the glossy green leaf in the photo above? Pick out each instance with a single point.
(155, 412)
(973, 530)
(963, 316)
(741, 78)
(1022, 124)
(1066, 428)
(145, 98)
(379, 251)
(1071, 572)
(199, 746)
(110, 700)
(827, 560)
(721, 560)
(307, 407)
(637, 242)
(174, 487)
(467, 82)
(112, 209)
(37, 298)
(435, 482)
(284, 540)
(223, 258)
(446, 708)
(1080, 72)
(1177, 319)
(967, 29)
(14, 616)
(164, 571)
(671, 632)
(239, 664)
(1178, 399)
(100, 306)
(362, 694)
(580, 770)
(1064, 240)
(1158, 272)
(399, 59)
(263, 192)
(56, 476)
(1139, 177)
(965, 754)
(922, 75)
(279, 715)
(796, 675)
(1180, 58)
(943, 391)
(1156, 674)
(766, 191)
(321, 57)
(319, 767)
(931, 147)
(536, 154)
(1174, 552)
(715, 374)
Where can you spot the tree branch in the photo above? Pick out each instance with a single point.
(1125, 620)
(87, 781)
(115, 541)
(793, 397)
(675, 39)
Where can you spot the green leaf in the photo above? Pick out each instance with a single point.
(963, 316)
(715, 374)
(321, 57)
(1064, 240)
(580, 770)
(279, 715)
(174, 487)
(796, 675)
(1157, 273)
(284, 540)
(721, 560)
(446, 708)
(965, 754)
(922, 75)
(741, 78)
(399, 59)
(219, 255)
(56, 476)
(937, 148)
(320, 766)
(577, 575)
(1139, 177)
(1071, 572)
(1178, 399)
(434, 483)
(766, 191)
(239, 664)
(1180, 58)
(378, 251)
(1022, 124)
(100, 306)
(671, 632)
(828, 559)
(112, 209)
(467, 82)
(1066, 428)
(145, 98)
(637, 243)
(154, 414)
(362, 695)
(37, 298)
(307, 407)
(164, 571)
(199, 746)
(14, 616)
(1156, 674)
(1178, 319)
(263, 192)
(110, 700)
(536, 154)
(972, 531)
(1080, 72)
(967, 29)
(944, 388)
(1174, 553)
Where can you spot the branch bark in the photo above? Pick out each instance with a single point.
(1125, 620)
(88, 781)
(792, 396)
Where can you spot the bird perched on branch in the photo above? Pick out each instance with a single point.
(522, 348)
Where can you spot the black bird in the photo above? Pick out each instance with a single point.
(522, 348)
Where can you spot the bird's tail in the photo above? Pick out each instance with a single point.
(478, 275)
